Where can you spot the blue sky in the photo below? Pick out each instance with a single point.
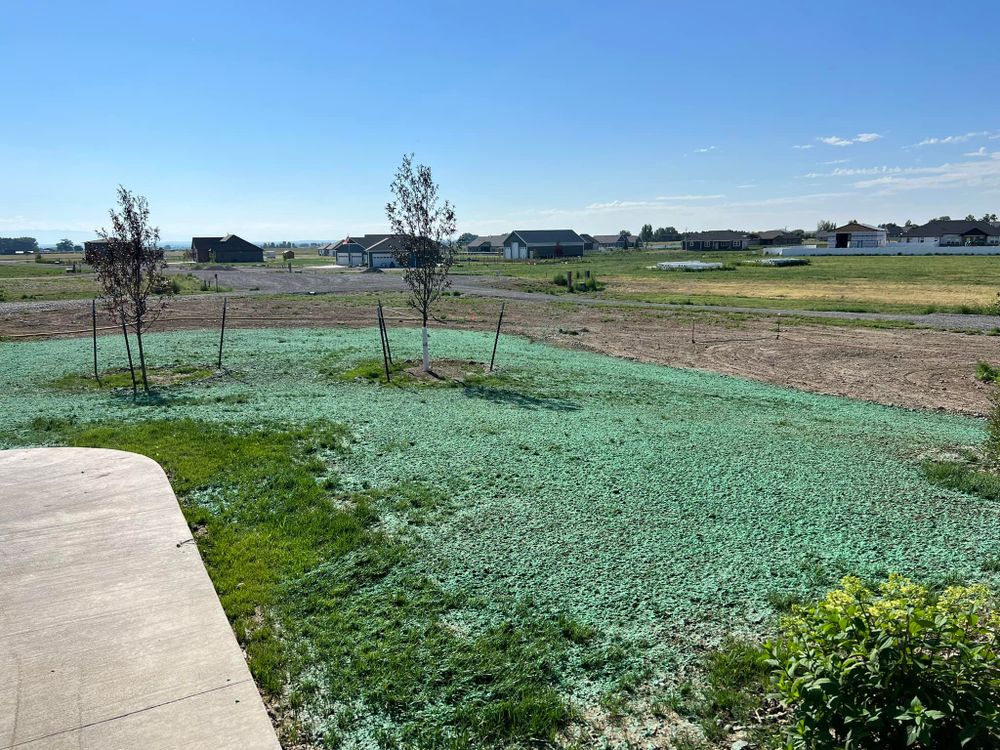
(287, 120)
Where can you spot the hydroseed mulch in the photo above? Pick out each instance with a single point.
(648, 511)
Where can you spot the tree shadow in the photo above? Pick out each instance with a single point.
(517, 399)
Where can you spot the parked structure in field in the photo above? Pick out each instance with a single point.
(724, 239)
(227, 249)
(90, 246)
(372, 250)
(534, 244)
(949, 233)
(777, 237)
(620, 241)
(492, 243)
(854, 235)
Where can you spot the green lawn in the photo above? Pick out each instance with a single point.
(502, 563)
(912, 284)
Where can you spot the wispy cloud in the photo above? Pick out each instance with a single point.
(944, 140)
(835, 161)
(745, 187)
(803, 146)
(981, 151)
(704, 150)
(690, 197)
(836, 140)
(981, 174)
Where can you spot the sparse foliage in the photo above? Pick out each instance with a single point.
(423, 225)
(825, 225)
(129, 266)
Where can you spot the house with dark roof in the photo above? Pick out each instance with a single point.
(372, 250)
(777, 237)
(535, 244)
(949, 233)
(854, 235)
(621, 241)
(227, 249)
(589, 243)
(492, 243)
(723, 239)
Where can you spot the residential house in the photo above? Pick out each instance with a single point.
(535, 244)
(855, 235)
(949, 233)
(724, 239)
(227, 249)
(352, 251)
(621, 241)
(777, 237)
(489, 244)
(589, 243)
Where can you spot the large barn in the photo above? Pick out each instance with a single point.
(228, 249)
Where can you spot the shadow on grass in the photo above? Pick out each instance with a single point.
(517, 399)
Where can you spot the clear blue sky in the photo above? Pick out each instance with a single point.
(286, 120)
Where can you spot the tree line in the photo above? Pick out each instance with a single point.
(660, 234)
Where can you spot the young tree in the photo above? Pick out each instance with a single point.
(826, 225)
(646, 233)
(129, 266)
(423, 226)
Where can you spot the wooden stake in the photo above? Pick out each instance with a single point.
(493, 356)
(381, 336)
(93, 323)
(385, 331)
(222, 333)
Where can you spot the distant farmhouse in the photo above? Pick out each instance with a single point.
(954, 234)
(855, 235)
(535, 244)
(372, 250)
(777, 237)
(589, 243)
(621, 241)
(718, 240)
(228, 249)
(492, 243)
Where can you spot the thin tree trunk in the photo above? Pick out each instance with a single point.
(128, 351)
(142, 356)
(427, 355)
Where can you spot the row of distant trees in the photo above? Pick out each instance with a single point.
(11, 245)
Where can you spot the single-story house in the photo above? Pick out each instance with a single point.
(778, 237)
(724, 239)
(533, 244)
(228, 249)
(622, 241)
(352, 251)
(589, 243)
(948, 233)
(492, 243)
(855, 235)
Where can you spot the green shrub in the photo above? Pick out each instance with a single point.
(559, 279)
(900, 667)
(985, 372)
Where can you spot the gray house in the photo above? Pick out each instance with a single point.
(228, 249)
(535, 244)
(492, 243)
(622, 241)
(777, 237)
(953, 233)
(725, 239)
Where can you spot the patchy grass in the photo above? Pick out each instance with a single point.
(964, 478)
(159, 377)
(986, 373)
(331, 607)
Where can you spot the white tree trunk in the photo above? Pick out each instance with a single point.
(427, 356)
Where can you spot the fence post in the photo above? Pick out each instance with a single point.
(381, 337)
(692, 331)
(222, 333)
(385, 331)
(93, 324)
(493, 356)
(216, 283)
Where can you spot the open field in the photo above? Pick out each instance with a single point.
(913, 284)
(517, 558)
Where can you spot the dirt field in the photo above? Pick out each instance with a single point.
(914, 368)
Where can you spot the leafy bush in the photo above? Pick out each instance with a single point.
(985, 372)
(893, 668)
(559, 279)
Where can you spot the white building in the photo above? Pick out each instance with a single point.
(855, 235)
